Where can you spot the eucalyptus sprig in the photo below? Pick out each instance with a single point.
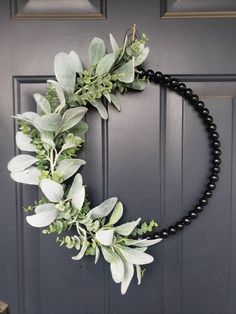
(51, 139)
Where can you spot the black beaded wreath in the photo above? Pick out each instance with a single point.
(55, 135)
(173, 84)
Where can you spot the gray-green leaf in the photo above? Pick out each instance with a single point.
(23, 142)
(141, 57)
(105, 64)
(115, 101)
(127, 228)
(21, 162)
(101, 109)
(116, 214)
(125, 73)
(71, 117)
(27, 176)
(48, 122)
(67, 167)
(52, 190)
(76, 61)
(115, 47)
(43, 103)
(65, 72)
(96, 50)
(104, 208)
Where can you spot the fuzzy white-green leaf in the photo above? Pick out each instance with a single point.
(105, 64)
(115, 101)
(52, 190)
(47, 137)
(48, 122)
(116, 214)
(139, 274)
(117, 269)
(42, 102)
(142, 242)
(141, 57)
(67, 167)
(76, 62)
(27, 176)
(105, 237)
(71, 118)
(21, 162)
(115, 47)
(75, 186)
(97, 255)
(60, 94)
(135, 256)
(65, 72)
(127, 228)
(101, 109)
(45, 215)
(83, 238)
(78, 199)
(27, 116)
(103, 209)
(138, 84)
(125, 73)
(128, 275)
(96, 50)
(80, 129)
(23, 142)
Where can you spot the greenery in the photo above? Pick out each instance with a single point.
(51, 140)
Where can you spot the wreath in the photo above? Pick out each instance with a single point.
(54, 135)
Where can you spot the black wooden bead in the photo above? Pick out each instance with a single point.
(194, 98)
(179, 225)
(203, 201)
(172, 230)
(187, 220)
(209, 119)
(181, 88)
(208, 194)
(212, 126)
(150, 74)
(217, 152)
(158, 76)
(198, 208)
(188, 93)
(204, 112)
(193, 214)
(141, 72)
(215, 169)
(214, 178)
(164, 234)
(173, 83)
(211, 186)
(216, 161)
(216, 144)
(214, 135)
(166, 79)
(200, 105)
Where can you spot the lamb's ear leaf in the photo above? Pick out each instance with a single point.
(127, 228)
(105, 237)
(97, 255)
(105, 64)
(28, 116)
(78, 199)
(21, 162)
(141, 57)
(23, 142)
(97, 50)
(76, 186)
(117, 269)
(128, 275)
(80, 129)
(48, 122)
(139, 274)
(42, 218)
(115, 101)
(125, 73)
(27, 176)
(76, 61)
(47, 138)
(43, 103)
(52, 190)
(135, 256)
(65, 72)
(60, 94)
(116, 214)
(103, 209)
(115, 47)
(68, 167)
(142, 242)
(71, 118)
(83, 238)
(101, 109)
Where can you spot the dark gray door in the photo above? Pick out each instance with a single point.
(153, 155)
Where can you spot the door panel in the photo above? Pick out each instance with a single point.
(154, 156)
